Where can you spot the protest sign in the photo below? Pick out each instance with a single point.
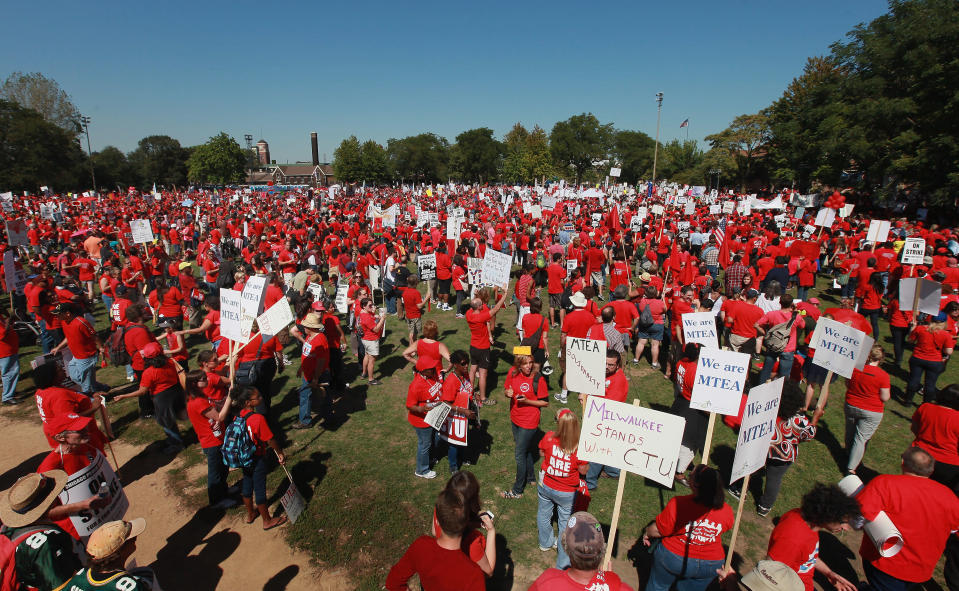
(839, 348)
(657, 209)
(758, 426)
(846, 210)
(434, 218)
(427, 266)
(825, 217)
(436, 416)
(635, 224)
(536, 212)
(453, 228)
(642, 211)
(278, 317)
(878, 231)
(340, 298)
(252, 301)
(231, 313)
(422, 218)
(720, 379)
(455, 428)
(571, 265)
(714, 209)
(13, 273)
(474, 270)
(929, 291)
(316, 290)
(729, 206)
(142, 231)
(85, 484)
(292, 501)
(913, 251)
(700, 327)
(17, 233)
(586, 366)
(690, 208)
(615, 172)
(633, 438)
(496, 268)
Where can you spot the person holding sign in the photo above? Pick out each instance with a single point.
(933, 345)
(558, 481)
(690, 531)
(422, 395)
(370, 328)
(161, 380)
(457, 392)
(479, 318)
(527, 393)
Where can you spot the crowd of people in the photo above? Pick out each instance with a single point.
(601, 267)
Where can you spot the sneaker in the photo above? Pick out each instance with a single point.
(736, 493)
(131, 378)
(553, 547)
(299, 425)
(655, 366)
(762, 511)
(375, 382)
(561, 398)
(226, 504)
(427, 475)
(635, 361)
(460, 316)
(12, 402)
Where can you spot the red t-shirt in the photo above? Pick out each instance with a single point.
(929, 345)
(439, 569)
(656, 307)
(555, 274)
(555, 579)
(532, 323)
(259, 431)
(745, 316)
(256, 349)
(203, 425)
(411, 301)
(213, 333)
(617, 387)
(771, 319)
(576, 324)
(863, 388)
(937, 432)
(135, 338)
(368, 322)
(316, 353)
(686, 377)
(694, 530)
(9, 342)
(159, 379)
(422, 391)
(81, 338)
(796, 545)
(216, 386)
(524, 415)
(625, 314)
(479, 331)
(560, 469)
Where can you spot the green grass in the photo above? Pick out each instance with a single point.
(365, 506)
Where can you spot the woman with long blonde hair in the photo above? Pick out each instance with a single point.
(559, 479)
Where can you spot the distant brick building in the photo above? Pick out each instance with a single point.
(292, 174)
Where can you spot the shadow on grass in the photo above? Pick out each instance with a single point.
(825, 436)
(502, 577)
(307, 474)
(22, 469)
(177, 569)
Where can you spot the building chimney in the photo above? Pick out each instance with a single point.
(316, 149)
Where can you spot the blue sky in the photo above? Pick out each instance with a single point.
(391, 69)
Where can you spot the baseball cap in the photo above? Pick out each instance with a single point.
(751, 293)
(111, 536)
(770, 575)
(318, 306)
(522, 350)
(151, 350)
(184, 266)
(67, 422)
(583, 537)
(813, 301)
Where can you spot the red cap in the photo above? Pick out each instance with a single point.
(67, 422)
(151, 350)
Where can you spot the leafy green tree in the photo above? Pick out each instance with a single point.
(346, 160)
(580, 141)
(374, 164)
(717, 159)
(220, 161)
(514, 154)
(539, 160)
(35, 152)
(745, 140)
(422, 158)
(113, 170)
(43, 95)
(478, 154)
(682, 161)
(159, 159)
(633, 151)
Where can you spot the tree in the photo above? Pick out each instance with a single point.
(514, 154)
(374, 166)
(159, 159)
(682, 161)
(43, 95)
(479, 154)
(633, 152)
(421, 158)
(580, 141)
(220, 161)
(35, 152)
(113, 170)
(346, 160)
(539, 161)
(745, 140)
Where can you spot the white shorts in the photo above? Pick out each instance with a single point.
(372, 347)
(523, 311)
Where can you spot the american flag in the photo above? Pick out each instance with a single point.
(685, 123)
(720, 232)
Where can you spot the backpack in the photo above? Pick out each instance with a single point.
(117, 348)
(8, 558)
(646, 317)
(238, 447)
(540, 260)
(777, 337)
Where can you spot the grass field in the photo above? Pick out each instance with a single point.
(365, 505)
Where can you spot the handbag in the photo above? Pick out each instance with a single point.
(248, 372)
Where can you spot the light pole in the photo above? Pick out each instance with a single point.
(659, 112)
(86, 127)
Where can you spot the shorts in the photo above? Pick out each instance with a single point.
(371, 347)
(415, 324)
(523, 311)
(556, 300)
(813, 373)
(626, 343)
(742, 344)
(596, 277)
(652, 333)
(480, 357)
(444, 286)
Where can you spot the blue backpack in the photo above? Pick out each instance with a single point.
(238, 447)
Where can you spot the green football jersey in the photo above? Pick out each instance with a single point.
(46, 558)
(138, 579)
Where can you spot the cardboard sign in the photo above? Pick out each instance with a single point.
(878, 231)
(720, 379)
(496, 268)
(453, 228)
(252, 301)
(714, 209)
(633, 438)
(930, 295)
(700, 327)
(586, 366)
(13, 273)
(635, 224)
(142, 231)
(278, 317)
(642, 211)
(758, 426)
(825, 217)
(340, 300)
(86, 483)
(729, 206)
(657, 209)
(427, 266)
(231, 314)
(913, 251)
(293, 503)
(17, 233)
(839, 348)
(474, 270)
(846, 210)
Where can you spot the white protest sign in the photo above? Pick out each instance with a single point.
(825, 217)
(434, 218)
(436, 416)
(427, 266)
(615, 172)
(714, 209)
(13, 273)
(141, 231)
(8, 196)
(657, 209)
(474, 270)
(633, 438)
(231, 314)
(340, 301)
(293, 502)
(6, 206)
(690, 208)
(700, 327)
(878, 231)
(930, 295)
(278, 317)
(642, 211)
(586, 366)
(571, 265)
(496, 267)
(252, 301)
(453, 228)
(913, 251)
(635, 224)
(758, 426)
(536, 212)
(316, 290)
(374, 276)
(839, 348)
(800, 212)
(720, 379)
(17, 233)
(85, 484)
(729, 206)
(846, 210)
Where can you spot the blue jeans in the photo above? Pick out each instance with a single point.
(389, 295)
(880, 581)
(84, 373)
(215, 475)
(563, 501)
(47, 338)
(107, 301)
(689, 574)
(916, 368)
(10, 369)
(592, 476)
(306, 394)
(254, 480)
(425, 440)
(873, 316)
(525, 454)
(802, 293)
(785, 365)
(453, 455)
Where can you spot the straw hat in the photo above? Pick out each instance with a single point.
(313, 321)
(30, 497)
(111, 536)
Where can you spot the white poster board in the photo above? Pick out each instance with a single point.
(729, 206)
(453, 228)
(84, 484)
(720, 379)
(252, 301)
(825, 217)
(278, 317)
(496, 267)
(427, 266)
(474, 270)
(700, 327)
(913, 251)
(714, 209)
(878, 231)
(17, 233)
(657, 209)
(635, 224)
(690, 208)
(615, 172)
(293, 503)
(14, 275)
(839, 348)
(340, 300)
(758, 426)
(586, 366)
(930, 295)
(142, 231)
(633, 438)
(231, 315)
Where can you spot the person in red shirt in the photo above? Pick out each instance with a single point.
(555, 276)
(167, 303)
(936, 427)
(479, 318)
(527, 393)
(161, 380)
(53, 400)
(654, 333)
(84, 344)
(459, 283)
(790, 316)
(444, 277)
(925, 512)
(535, 327)
(413, 304)
(795, 539)
(314, 365)
(561, 471)
(867, 391)
(617, 389)
(370, 324)
(9, 358)
(933, 345)
(690, 527)
(86, 273)
(742, 334)
(207, 419)
(423, 394)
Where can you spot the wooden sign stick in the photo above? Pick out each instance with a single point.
(709, 437)
(739, 516)
(617, 505)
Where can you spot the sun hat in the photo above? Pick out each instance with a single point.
(312, 320)
(111, 536)
(578, 299)
(30, 497)
(770, 575)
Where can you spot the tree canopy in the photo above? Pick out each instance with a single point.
(43, 95)
(579, 142)
(159, 159)
(35, 152)
(220, 161)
